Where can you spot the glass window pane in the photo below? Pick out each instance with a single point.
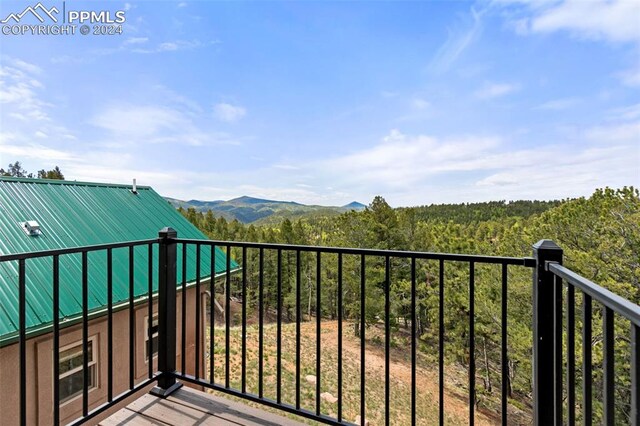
(154, 345)
(71, 385)
(72, 358)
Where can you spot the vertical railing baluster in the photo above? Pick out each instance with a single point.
(244, 320)
(571, 355)
(183, 313)
(227, 325)
(261, 322)
(387, 337)
(472, 346)
(318, 329)
(339, 337)
(279, 328)
(608, 367)
(635, 375)
(150, 312)
(441, 342)
(56, 340)
(298, 315)
(362, 336)
(109, 325)
(212, 315)
(504, 361)
(557, 349)
(85, 337)
(413, 341)
(587, 378)
(132, 325)
(198, 303)
(22, 326)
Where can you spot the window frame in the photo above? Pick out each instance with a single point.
(155, 335)
(92, 367)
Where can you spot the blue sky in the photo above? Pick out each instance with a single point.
(329, 102)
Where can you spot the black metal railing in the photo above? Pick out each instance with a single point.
(280, 271)
(319, 255)
(555, 403)
(19, 265)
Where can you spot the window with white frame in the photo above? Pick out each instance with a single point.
(153, 335)
(71, 369)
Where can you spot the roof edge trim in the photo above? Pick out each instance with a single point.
(9, 339)
(69, 182)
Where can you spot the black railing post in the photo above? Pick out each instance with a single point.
(166, 313)
(544, 360)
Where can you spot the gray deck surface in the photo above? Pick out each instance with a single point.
(191, 407)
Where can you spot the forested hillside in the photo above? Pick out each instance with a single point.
(479, 212)
(600, 236)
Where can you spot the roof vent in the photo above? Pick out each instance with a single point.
(134, 188)
(31, 227)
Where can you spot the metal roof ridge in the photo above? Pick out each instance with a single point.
(69, 182)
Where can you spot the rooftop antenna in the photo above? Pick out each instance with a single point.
(134, 188)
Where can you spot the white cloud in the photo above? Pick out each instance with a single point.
(228, 113)
(616, 21)
(182, 4)
(137, 121)
(416, 169)
(565, 172)
(19, 90)
(167, 46)
(286, 167)
(25, 66)
(458, 40)
(625, 132)
(608, 20)
(559, 104)
(115, 148)
(137, 45)
(410, 169)
(495, 90)
(28, 150)
(627, 113)
(166, 124)
(420, 103)
(611, 21)
(401, 160)
(631, 76)
(135, 40)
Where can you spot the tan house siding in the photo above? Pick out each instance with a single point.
(39, 358)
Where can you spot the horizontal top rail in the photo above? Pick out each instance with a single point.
(622, 306)
(522, 261)
(72, 250)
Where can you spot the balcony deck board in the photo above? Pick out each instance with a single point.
(191, 407)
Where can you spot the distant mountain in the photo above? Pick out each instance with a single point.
(354, 205)
(250, 200)
(249, 209)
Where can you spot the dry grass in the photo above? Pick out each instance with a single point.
(456, 406)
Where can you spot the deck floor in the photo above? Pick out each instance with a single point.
(191, 407)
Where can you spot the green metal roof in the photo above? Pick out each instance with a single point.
(74, 214)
